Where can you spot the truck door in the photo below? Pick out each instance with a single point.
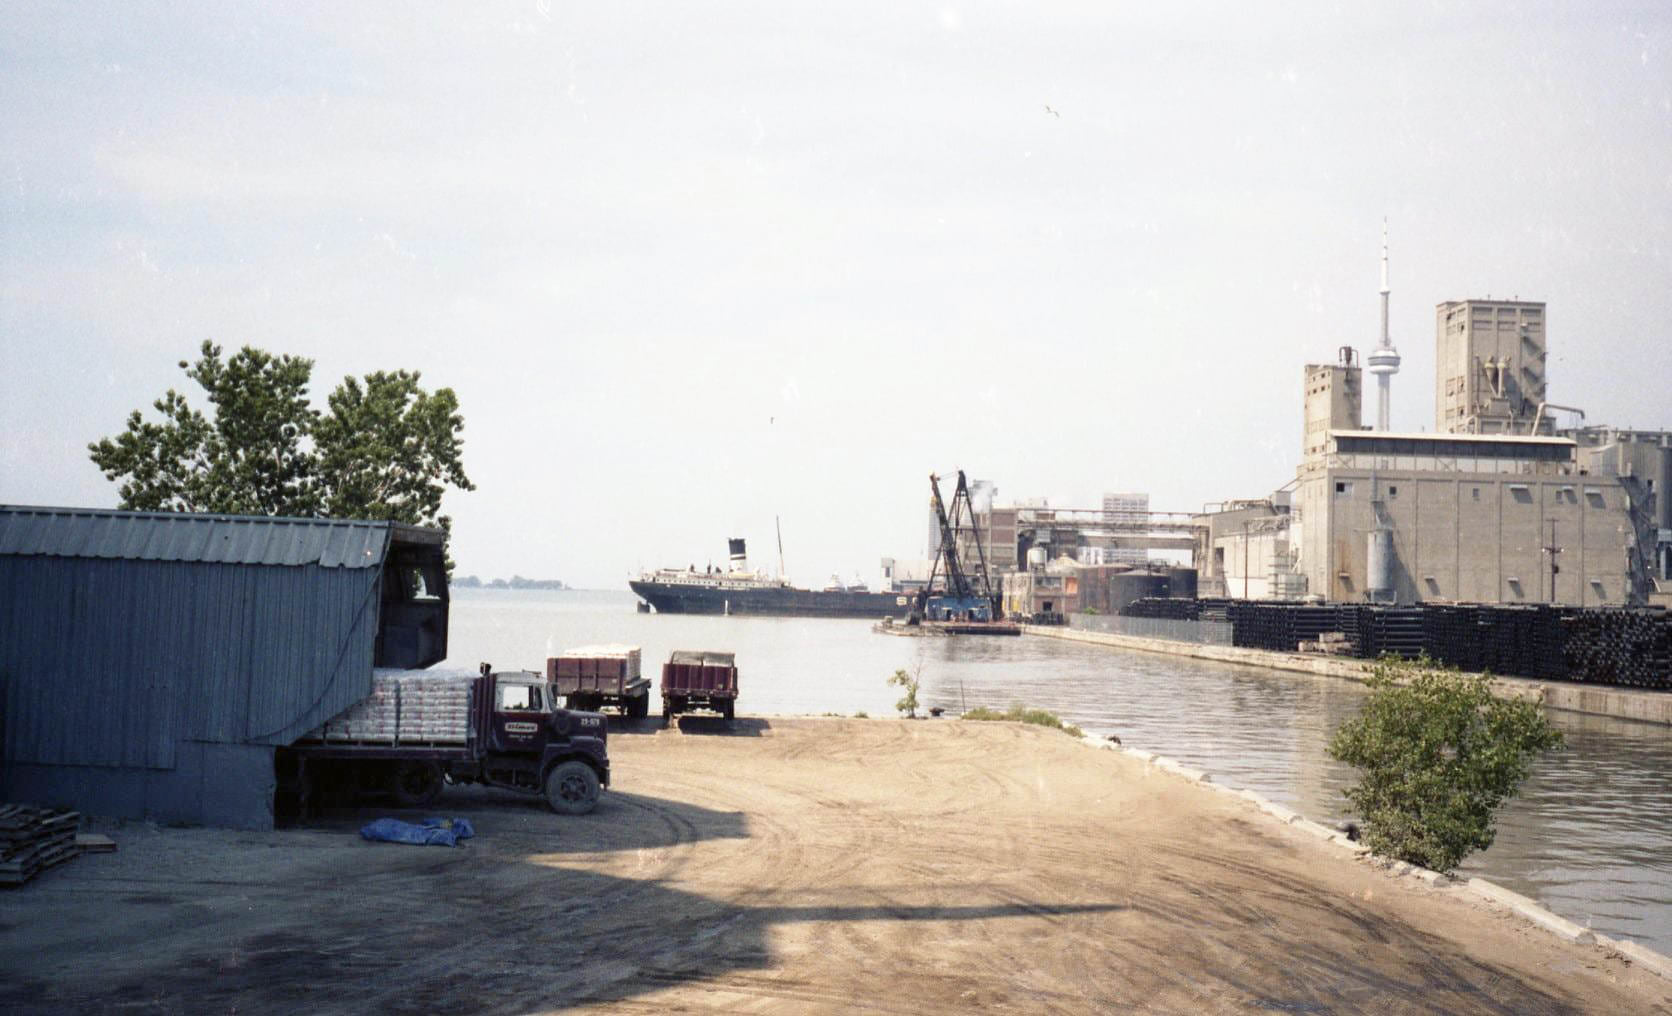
(519, 717)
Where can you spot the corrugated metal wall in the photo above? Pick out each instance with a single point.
(157, 688)
(111, 662)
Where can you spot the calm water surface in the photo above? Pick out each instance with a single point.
(1590, 836)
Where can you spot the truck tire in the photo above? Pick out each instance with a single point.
(638, 707)
(726, 709)
(416, 784)
(572, 788)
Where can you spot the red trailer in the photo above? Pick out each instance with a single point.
(591, 677)
(699, 679)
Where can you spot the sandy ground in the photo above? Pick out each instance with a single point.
(794, 865)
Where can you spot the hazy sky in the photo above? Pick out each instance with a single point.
(690, 268)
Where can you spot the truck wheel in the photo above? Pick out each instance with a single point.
(572, 788)
(416, 784)
(638, 707)
(726, 709)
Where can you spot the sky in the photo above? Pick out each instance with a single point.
(697, 271)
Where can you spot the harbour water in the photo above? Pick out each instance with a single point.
(1590, 837)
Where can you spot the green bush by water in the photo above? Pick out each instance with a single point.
(1019, 713)
(1437, 754)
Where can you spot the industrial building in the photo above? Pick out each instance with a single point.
(150, 663)
(1499, 505)
(1128, 507)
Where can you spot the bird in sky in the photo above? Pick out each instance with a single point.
(1053, 112)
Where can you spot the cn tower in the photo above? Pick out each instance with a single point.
(1383, 361)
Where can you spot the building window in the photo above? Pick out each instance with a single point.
(1393, 491)
(1474, 493)
(1343, 487)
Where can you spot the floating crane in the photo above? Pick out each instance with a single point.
(962, 597)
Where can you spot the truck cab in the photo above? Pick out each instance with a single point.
(533, 745)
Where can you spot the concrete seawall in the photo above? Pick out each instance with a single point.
(1597, 700)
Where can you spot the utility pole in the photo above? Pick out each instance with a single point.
(1553, 550)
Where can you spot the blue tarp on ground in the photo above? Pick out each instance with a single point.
(441, 832)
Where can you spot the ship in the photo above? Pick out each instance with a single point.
(740, 590)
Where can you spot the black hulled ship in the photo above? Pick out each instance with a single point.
(740, 590)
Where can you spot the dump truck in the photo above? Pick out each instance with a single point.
(699, 679)
(592, 677)
(419, 731)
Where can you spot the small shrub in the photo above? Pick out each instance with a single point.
(1437, 754)
(862, 715)
(908, 704)
(1019, 713)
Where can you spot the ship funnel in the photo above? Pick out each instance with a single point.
(739, 556)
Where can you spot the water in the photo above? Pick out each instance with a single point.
(1590, 836)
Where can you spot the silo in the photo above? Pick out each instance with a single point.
(1135, 585)
(1378, 577)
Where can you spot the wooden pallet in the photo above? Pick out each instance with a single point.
(33, 840)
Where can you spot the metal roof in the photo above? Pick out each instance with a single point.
(207, 539)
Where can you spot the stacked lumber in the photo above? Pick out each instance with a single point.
(33, 840)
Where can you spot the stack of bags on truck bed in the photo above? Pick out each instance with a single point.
(371, 719)
(405, 707)
(612, 651)
(33, 840)
(433, 709)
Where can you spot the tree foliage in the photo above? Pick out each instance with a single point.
(909, 682)
(1437, 755)
(385, 449)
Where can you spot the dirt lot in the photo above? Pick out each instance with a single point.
(794, 865)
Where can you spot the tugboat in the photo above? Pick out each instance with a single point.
(744, 591)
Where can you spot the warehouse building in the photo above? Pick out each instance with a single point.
(150, 663)
(1499, 505)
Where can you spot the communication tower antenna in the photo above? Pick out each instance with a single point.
(1383, 361)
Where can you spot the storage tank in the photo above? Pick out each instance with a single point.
(1135, 585)
(1037, 556)
(1378, 571)
(1181, 583)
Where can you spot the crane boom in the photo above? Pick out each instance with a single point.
(957, 583)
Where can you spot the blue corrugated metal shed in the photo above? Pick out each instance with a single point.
(150, 662)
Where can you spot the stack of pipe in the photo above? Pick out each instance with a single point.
(1620, 646)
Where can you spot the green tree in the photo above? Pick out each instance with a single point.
(389, 450)
(1437, 754)
(909, 682)
(249, 459)
(386, 449)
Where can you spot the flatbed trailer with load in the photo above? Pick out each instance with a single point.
(419, 731)
(699, 679)
(592, 677)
